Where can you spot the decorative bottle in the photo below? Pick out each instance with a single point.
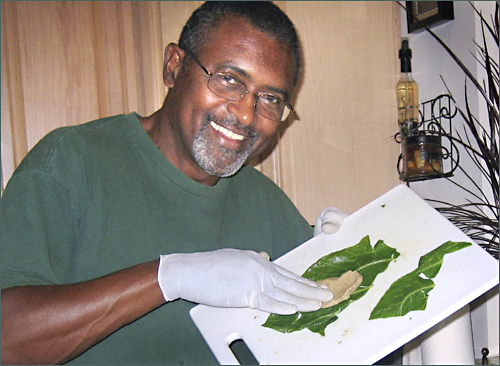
(407, 93)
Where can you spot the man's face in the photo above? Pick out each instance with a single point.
(218, 134)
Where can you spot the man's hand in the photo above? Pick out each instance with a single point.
(329, 221)
(237, 278)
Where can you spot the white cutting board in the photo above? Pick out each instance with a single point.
(403, 221)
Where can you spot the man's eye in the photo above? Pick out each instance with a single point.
(270, 99)
(228, 80)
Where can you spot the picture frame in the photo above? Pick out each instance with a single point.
(429, 13)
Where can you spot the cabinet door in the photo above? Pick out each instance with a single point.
(341, 152)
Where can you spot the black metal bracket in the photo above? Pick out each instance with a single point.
(436, 120)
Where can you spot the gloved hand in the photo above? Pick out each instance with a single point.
(237, 278)
(329, 221)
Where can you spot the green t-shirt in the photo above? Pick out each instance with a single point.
(92, 199)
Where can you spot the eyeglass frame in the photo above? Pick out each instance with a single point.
(256, 96)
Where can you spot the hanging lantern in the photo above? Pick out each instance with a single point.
(422, 158)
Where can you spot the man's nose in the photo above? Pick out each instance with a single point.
(246, 109)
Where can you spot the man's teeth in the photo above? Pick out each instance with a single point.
(226, 132)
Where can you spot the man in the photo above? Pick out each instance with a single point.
(91, 208)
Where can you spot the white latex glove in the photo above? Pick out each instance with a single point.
(329, 221)
(237, 278)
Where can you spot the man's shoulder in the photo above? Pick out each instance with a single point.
(70, 141)
(98, 125)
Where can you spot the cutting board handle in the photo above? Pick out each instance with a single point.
(224, 354)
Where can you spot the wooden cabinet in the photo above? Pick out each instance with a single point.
(341, 151)
(67, 63)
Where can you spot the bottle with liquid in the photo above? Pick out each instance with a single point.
(407, 93)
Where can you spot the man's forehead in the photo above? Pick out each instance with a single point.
(237, 29)
(236, 38)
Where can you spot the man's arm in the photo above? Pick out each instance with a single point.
(53, 324)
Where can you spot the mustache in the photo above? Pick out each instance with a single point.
(231, 121)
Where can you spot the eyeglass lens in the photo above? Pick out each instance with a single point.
(230, 88)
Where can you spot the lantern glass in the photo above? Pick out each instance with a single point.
(422, 158)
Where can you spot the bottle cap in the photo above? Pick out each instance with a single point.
(405, 55)
(423, 139)
(405, 51)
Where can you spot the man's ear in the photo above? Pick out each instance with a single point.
(172, 63)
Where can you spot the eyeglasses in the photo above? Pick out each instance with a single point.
(230, 88)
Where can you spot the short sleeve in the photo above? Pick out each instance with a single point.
(37, 231)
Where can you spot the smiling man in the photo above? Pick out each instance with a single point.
(92, 207)
(226, 103)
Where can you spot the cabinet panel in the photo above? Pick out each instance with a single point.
(340, 152)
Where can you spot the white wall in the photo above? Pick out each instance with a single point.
(431, 62)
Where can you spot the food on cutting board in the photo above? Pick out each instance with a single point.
(342, 287)
(411, 291)
(362, 258)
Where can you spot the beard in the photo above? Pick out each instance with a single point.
(218, 160)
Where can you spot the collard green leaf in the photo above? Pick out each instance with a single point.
(411, 291)
(368, 261)
(430, 263)
(408, 293)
